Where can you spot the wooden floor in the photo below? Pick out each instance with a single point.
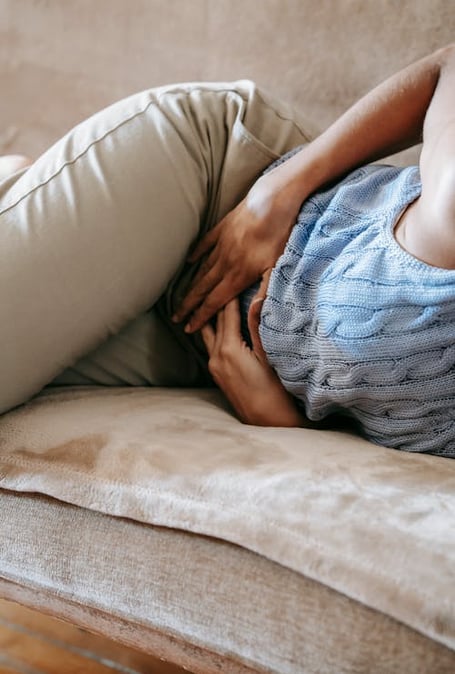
(31, 643)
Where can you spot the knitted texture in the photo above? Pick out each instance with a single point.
(352, 323)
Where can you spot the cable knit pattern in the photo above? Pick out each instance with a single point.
(353, 323)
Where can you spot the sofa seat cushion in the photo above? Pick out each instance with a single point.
(369, 522)
(200, 602)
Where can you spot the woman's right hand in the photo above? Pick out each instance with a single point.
(244, 375)
(240, 248)
(252, 236)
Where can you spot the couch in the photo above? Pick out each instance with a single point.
(153, 516)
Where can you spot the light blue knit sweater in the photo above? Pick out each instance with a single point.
(352, 323)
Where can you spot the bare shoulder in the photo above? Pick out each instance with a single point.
(437, 163)
(427, 230)
(441, 110)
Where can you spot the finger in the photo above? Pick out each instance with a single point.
(262, 290)
(198, 292)
(220, 328)
(254, 316)
(207, 242)
(218, 297)
(232, 321)
(208, 337)
(205, 268)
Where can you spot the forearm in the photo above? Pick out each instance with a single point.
(274, 408)
(249, 239)
(388, 119)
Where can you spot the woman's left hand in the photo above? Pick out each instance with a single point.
(243, 374)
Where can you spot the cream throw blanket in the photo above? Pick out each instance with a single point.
(375, 524)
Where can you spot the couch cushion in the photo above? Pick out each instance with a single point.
(372, 523)
(200, 602)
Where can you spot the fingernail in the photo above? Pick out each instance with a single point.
(187, 327)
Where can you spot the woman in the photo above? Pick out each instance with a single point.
(195, 186)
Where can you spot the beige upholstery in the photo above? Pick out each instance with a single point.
(209, 592)
(205, 603)
(329, 505)
(65, 61)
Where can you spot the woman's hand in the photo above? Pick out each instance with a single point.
(247, 380)
(251, 238)
(239, 249)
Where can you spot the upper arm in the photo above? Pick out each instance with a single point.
(434, 237)
(437, 162)
(441, 111)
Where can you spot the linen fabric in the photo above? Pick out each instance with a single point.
(97, 230)
(353, 324)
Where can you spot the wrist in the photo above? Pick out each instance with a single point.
(276, 409)
(302, 174)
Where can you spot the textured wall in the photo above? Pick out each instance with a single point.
(60, 60)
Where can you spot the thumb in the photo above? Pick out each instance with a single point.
(254, 316)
